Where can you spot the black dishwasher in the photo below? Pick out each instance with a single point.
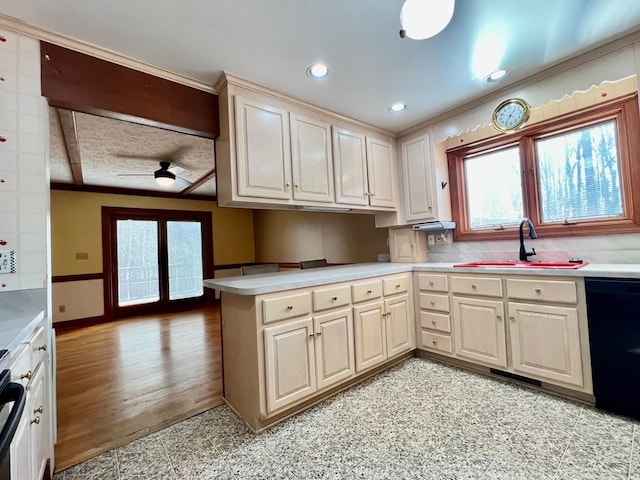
(613, 309)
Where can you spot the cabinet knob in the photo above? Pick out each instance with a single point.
(27, 375)
(297, 185)
(366, 194)
(499, 317)
(473, 285)
(433, 321)
(288, 184)
(433, 302)
(333, 299)
(40, 409)
(43, 348)
(397, 285)
(435, 342)
(538, 291)
(368, 292)
(373, 194)
(289, 307)
(513, 319)
(318, 334)
(311, 334)
(36, 420)
(431, 282)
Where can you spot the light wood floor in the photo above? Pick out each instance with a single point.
(122, 380)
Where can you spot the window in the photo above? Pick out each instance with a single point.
(573, 175)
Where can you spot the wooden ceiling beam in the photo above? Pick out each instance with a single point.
(70, 133)
(204, 178)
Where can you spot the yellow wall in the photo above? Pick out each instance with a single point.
(76, 226)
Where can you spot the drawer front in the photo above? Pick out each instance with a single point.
(434, 341)
(364, 291)
(21, 366)
(393, 285)
(558, 291)
(331, 298)
(279, 308)
(38, 346)
(435, 321)
(432, 301)
(432, 282)
(484, 286)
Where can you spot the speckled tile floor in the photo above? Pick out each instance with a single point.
(418, 420)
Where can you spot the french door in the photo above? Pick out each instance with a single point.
(155, 259)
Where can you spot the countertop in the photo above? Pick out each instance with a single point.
(20, 312)
(292, 279)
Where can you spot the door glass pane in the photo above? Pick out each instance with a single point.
(578, 174)
(494, 189)
(137, 242)
(185, 259)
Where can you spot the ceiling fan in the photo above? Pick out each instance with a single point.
(165, 176)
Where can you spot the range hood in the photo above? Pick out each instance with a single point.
(434, 227)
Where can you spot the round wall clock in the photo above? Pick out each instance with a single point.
(511, 114)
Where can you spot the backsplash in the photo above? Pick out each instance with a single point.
(619, 248)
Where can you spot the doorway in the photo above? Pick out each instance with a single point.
(155, 260)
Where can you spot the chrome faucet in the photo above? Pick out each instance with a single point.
(524, 255)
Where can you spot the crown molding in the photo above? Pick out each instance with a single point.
(22, 28)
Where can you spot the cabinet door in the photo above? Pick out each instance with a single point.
(263, 150)
(479, 330)
(312, 161)
(289, 363)
(39, 419)
(350, 167)
(399, 325)
(407, 245)
(371, 341)
(334, 347)
(380, 173)
(418, 180)
(545, 342)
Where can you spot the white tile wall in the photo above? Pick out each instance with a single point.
(24, 191)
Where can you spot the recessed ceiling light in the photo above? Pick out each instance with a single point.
(318, 71)
(497, 75)
(397, 107)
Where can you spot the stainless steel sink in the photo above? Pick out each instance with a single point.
(543, 265)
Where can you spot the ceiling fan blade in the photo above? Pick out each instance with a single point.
(174, 154)
(182, 182)
(134, 174)
(176, 170)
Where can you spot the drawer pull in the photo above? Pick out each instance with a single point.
(431, 282)
(333, 299)
(369, 292)
(433, 321)
(538, 291)
(397, 285)
(473, 285)
(43, 348)
(433, 302)
(289, 307)
(435, 342)
(36, 420)
(27, 375)
(40, 409)
(499, 317)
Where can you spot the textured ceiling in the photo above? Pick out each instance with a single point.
(119, 154)
(272, 42)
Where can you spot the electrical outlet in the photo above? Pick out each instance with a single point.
(431, 240)
(62, 308)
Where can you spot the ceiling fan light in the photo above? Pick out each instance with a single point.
(164, 178)
(422, 19)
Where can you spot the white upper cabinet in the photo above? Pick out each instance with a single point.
(380, 173)
(312, 161)
(350, 165)
(263, 151)
(418, 180)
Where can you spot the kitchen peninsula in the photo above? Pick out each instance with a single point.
(291, 339)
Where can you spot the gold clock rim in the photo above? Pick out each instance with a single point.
(527, 112)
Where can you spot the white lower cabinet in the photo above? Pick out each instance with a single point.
(371, 340)
(545, 342)
(334, 350)
(289, 363)
(399, 325)
(479, 330)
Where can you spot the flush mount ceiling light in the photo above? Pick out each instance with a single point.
(497, 75)
(397, 107)
(318, 71)
(421, 19)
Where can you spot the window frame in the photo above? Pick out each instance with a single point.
(623, 110)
